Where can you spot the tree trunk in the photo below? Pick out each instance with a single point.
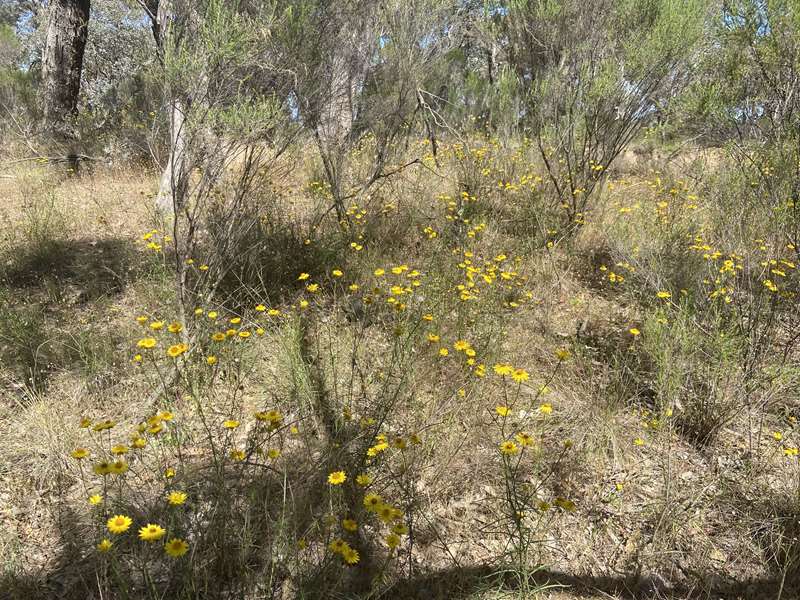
(336, 113)
(174, 178)
(62, 62)
(173, 18)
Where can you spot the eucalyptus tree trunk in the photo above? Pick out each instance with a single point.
(174, 183)
(62, 63)
(336, 118)
(172, 22)
(348, 65)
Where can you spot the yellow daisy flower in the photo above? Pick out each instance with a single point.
(176, 498)
(508, 448)
(349, 525)
(372, 502)
(177, 350)
(350, 556)
(176, 547)
(118, 467)
(519, 375)
(151, 532)
(119, 523)
(337, 478)
(524, 439)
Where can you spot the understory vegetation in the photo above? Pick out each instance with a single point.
(537, 337)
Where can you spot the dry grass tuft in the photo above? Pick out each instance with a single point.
(661, 461)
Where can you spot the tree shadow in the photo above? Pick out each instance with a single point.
(77, 572)
(773, 523)
(74, 575)
(463, 582)
(68, 575)
(42, 288)
(265, 264)
(76, 271)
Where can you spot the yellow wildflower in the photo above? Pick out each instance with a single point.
(176, 547)
(508, 447)
(79, 453)
(151, 532)
(519, 375)
(337, 478)
(119, 523)
(176, 498)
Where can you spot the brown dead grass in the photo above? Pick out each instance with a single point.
(668, 511)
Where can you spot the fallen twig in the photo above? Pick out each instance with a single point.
(64, 158)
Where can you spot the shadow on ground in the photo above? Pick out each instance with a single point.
(445, 584)
(76, 271)
(45, 288)
(458, 583)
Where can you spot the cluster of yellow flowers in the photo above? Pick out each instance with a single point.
(790, 448)
(417, 297)
(478, 277)
(155, 240)
(151, 532)
(386, 514)
(154, 425)
(117, 466)
(507, 370)
(524, 439)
